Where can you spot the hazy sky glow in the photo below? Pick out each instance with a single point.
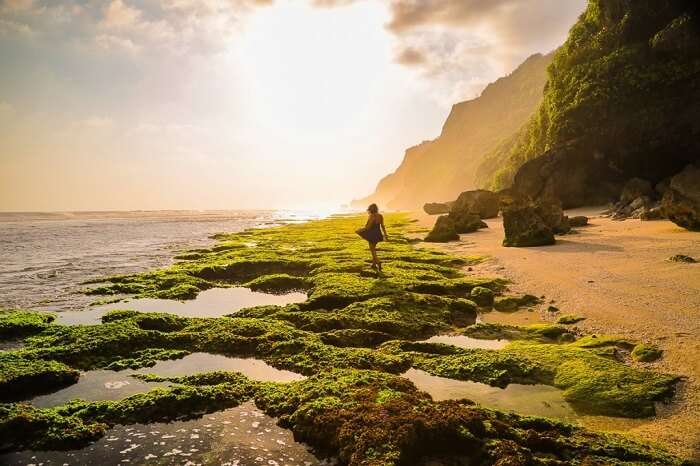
(176, 104)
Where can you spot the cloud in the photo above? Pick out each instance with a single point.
(410, 56)
(16, 5)
(112, 43)
(464, 44)
(118, 15)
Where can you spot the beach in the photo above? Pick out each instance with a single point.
(617, 275)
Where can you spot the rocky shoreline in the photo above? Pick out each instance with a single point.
(353, 338)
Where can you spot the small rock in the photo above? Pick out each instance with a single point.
(683, 258)
(578, 221)
(482, 296)
(646, 353)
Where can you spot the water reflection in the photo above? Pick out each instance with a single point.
(534, 400)
(215, 302)
(238, 436)
(111, 385)
(467, 342)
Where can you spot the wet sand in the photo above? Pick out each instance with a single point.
(616, 274)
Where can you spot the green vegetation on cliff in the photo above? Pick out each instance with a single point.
(623, 88)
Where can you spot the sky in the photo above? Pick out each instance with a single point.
(232, 104)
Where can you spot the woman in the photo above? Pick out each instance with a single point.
(372, 232)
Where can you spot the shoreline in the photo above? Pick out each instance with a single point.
(616, 275)
(354, 338)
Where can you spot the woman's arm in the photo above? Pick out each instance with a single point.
(381, 223)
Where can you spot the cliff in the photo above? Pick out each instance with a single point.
(622, 100)
(440, 169)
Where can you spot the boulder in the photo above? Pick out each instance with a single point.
(662, 186)
(443, 231)
(578, 221)
(655, 213)
(436, 208)
(466, 222)
(551, 213)
(681, 202)
(482, 296)
(572, 174)
(481, 202)
(636, 188)
(524, 227)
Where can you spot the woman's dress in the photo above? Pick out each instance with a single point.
(373, 234)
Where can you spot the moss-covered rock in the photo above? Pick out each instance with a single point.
(646, 353)
(482, 296)
(351, 334)
(21, 376)
(569, 319)
(370, 418)
(17, 323)
(512, 303)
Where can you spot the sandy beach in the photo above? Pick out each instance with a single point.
(617, 275)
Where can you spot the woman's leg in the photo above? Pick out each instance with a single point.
(373, 250)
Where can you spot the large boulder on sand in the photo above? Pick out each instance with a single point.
(681, 202)
(551, 213)
(436, 208)
(466, 222)
(524, 227)
(443, 231)
(481, 202)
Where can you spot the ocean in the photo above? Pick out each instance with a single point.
(44, 257)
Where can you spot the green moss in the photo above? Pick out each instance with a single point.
(482, 296)
(146, 358)
(593, 383)
(646, 353)
(569, 319)
(350, 406)
(22, 377)
(406, 315)
(370, 418)
(17, 323)
(544, 333)
(278, 283)
(625, 73)
(512, 303)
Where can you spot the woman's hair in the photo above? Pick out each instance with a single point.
(373, 209)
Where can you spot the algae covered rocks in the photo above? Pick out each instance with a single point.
(350, 346)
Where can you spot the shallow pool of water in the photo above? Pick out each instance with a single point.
(534, 400)
(238, 436)
(467, 342)
(112, 385)
(215, 302)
